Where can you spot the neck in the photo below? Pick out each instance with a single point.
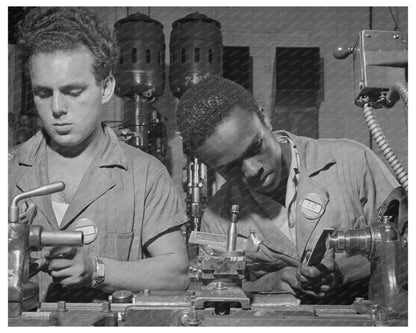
(86, 149)
(279, 194)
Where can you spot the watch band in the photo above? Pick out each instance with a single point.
(100, 270)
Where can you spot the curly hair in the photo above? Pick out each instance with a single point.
(203, 107)
(46, 30)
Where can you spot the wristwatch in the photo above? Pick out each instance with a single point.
(100, 273)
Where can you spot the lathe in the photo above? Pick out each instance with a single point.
(215, 297)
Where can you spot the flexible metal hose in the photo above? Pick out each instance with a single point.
(384, 146)
(398, 91)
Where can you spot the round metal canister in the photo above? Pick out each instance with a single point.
(195, 51)
(141, 67)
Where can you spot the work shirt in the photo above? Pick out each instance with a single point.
(286, 221)
(125, 199)
(341, 185)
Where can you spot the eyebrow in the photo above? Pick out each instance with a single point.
(62, 89)
(244, 154)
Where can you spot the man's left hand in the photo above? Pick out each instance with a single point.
(70, 266)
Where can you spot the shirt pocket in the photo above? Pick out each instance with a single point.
(114, 245)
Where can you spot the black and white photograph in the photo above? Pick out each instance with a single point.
(214, 165)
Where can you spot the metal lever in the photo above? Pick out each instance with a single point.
(43, 190)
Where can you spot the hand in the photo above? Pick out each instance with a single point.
(70, 266)
(316, 281)
(321, 279)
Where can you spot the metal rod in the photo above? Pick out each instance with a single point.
(56, 238)
(232, 229)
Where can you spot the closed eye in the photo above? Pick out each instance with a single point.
(42, 92)
(255, 149)
(74, 92)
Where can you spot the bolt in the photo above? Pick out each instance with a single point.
(381, 316)
(61, 306)
(396, 36)
(105, 307)
(386, 219)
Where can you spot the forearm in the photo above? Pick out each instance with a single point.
(163, 272)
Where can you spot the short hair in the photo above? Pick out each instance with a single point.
(204, 106)
(47, 30)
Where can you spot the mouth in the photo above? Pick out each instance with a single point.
(264, 184)
(62, 127)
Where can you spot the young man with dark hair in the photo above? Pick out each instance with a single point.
(289, 188)
(122, 198)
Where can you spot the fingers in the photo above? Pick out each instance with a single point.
(314, 294)
(59, 264)
(61, 253)
(309, 271)
(292, 276)
(66, 280)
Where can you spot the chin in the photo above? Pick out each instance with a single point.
(66, 141)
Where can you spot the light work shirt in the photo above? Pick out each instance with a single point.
(341, 184)
(125, 199)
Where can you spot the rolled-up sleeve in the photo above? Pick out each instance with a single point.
(377, 184)
(163, 209)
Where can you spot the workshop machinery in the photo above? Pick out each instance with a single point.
(24, 238)
(215, 296)
(140, 79)
(195, 52)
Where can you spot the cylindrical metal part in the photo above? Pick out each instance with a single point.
(35, 237)
(136, 110)
(67, 238)
(195, 51)
(232, 229)
(351, 241)
(18, 234)
(122, 296)
(141, 67)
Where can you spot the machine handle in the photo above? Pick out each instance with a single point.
(43, 190)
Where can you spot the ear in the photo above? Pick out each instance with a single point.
(265, 118)
(107, 88)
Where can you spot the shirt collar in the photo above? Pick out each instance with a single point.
(110, 152)
(311, 158)
(264, 200)
(31, 150)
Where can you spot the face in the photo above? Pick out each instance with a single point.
(67, 97)
(243, 147)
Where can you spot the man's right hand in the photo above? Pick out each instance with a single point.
(300, 280)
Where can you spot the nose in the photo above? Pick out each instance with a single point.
(58, 105)
(252, 170)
